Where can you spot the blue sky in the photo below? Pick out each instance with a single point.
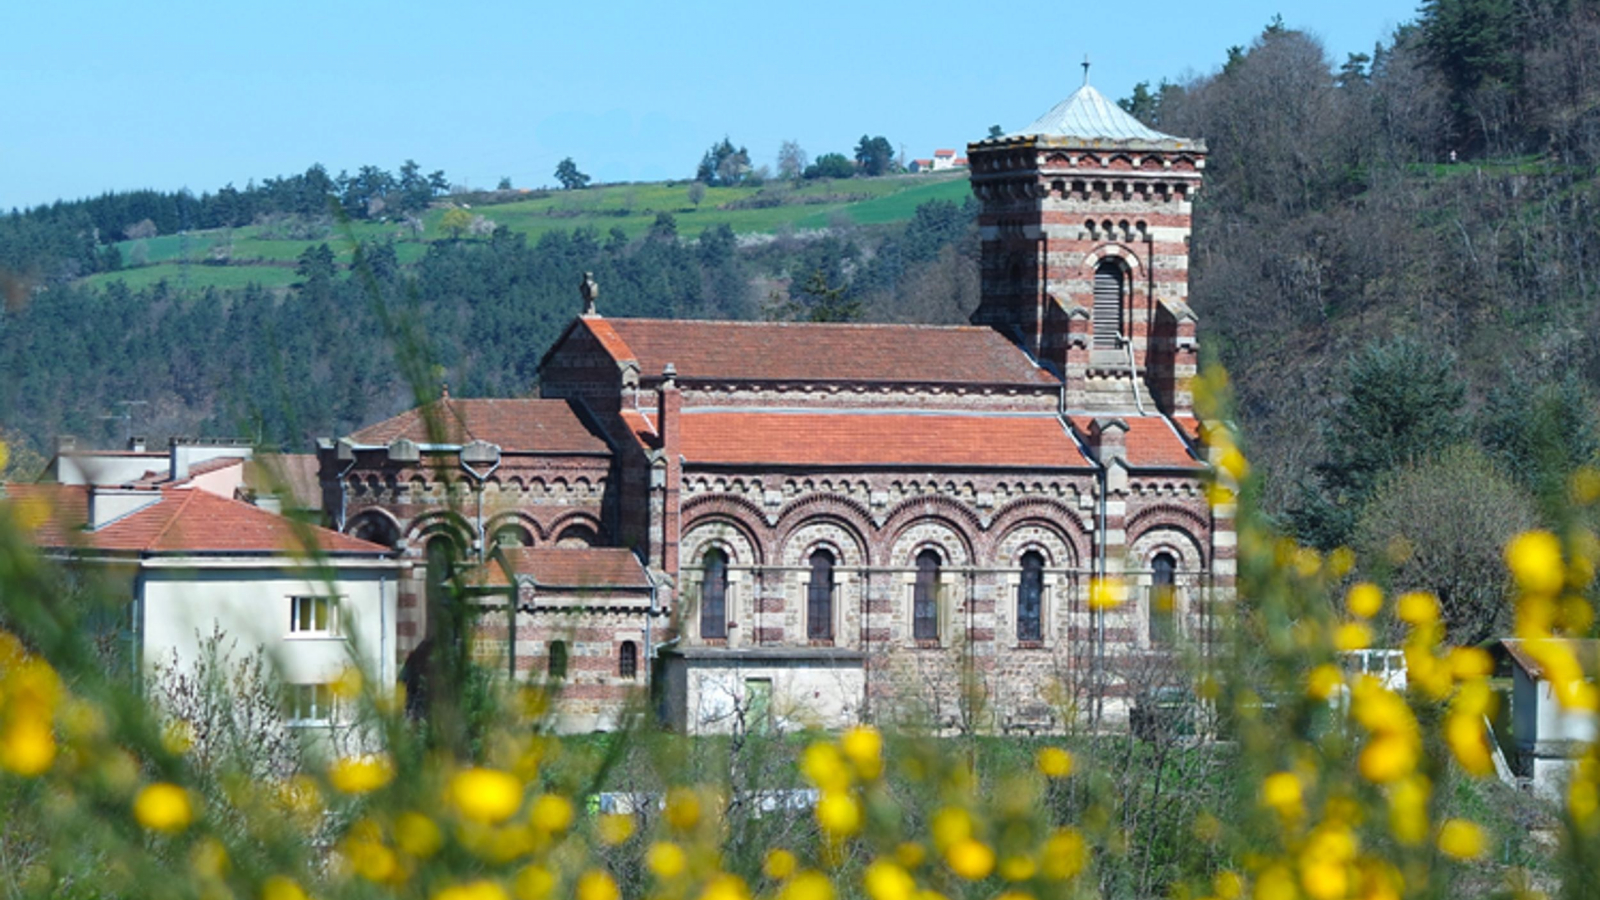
(172, 93)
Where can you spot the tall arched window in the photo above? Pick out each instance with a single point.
(1030, 598)
(714, 596)
(1110, 300)
(925, 598)
(558, 659)
(819, 598)
(1163, 599)
(628, 660)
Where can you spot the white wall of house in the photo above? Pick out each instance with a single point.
(1546, 733)
(783, 695)
(182, 600)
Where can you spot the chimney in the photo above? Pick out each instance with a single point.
(669, 410)
(136, 444)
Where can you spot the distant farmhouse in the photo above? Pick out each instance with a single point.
(773, 525)
(942, 160)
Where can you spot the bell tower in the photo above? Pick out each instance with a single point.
(1085, 263)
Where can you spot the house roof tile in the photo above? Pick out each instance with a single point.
(831, 438)
(183, 520)
(516, 426)
(806, 351)
(575, 567)
(1152, 442)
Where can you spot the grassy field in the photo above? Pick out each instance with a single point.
(259, 256)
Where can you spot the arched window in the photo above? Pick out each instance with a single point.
(714, 596)
(925, 598)
(558, 659)
(628, 660)
(1030, 598)
(1110, 299)
(1163, 599)
(441, 555)
(819, 598)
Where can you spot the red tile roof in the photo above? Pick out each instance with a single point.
(184, 520)
(878, 439)
(575, 567)
(807, 351)
(944, 153)
(643, 428)
(1152, 442)
(516, 426)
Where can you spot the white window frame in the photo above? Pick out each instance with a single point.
(304, 607)
(311, 706)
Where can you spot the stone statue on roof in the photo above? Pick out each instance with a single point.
(590, 290)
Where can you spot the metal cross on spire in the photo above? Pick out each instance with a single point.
(1086, 70)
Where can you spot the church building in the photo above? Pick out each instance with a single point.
(783, 524)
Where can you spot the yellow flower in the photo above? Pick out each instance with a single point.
(725, 887)
(348, 685)
(597, 885)
(1276, 883)
(1417, 608)
(1018, 868)
(552, 813)
(972, 860)
(839, 814)
(360, 774)
(1234, 463)
(417, 835)
(683, 809)
(1281, 791)
(1064, 855)
(1408, 810)
(825, 766)
(1054, 762)
(208, 858)
(363, 849)
(863, 746)
(163, 807)
(1325, 861)
(615, 828)
(1352, 636)
(473, 890)
(910, 854)
(486, 795)
(1534, 558)
(1461, 839)
(808, 885)
(1324, 681)
(1363, 600)
(1106, 593)
(951, 825)
(27, 746)
(534, 882)
(886, 881)
(667, 860)
(1227, 885)
(779, 864)
(278, 887)
(1340, 561)
(1387, 758)
(1470, 662)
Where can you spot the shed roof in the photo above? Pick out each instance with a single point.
(573, 567)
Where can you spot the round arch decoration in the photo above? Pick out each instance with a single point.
(372, 522)
(1053, 516)
(1117, 251)
(728, 522)
(516, 518)
(570, 519)
(846, 514)
(1171, 517)
(937, 532)
(447, 522)
(957, 516)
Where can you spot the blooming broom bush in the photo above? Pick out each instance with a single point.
(1322, 784)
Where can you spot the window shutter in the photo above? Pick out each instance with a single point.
(1108, 297)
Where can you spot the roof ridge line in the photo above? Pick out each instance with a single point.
(752, 323)
(173, 519)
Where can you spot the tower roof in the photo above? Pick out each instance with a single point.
(1089, 115)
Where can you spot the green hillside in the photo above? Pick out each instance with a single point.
(231, 258)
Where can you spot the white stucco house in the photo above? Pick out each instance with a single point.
(191, 563)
